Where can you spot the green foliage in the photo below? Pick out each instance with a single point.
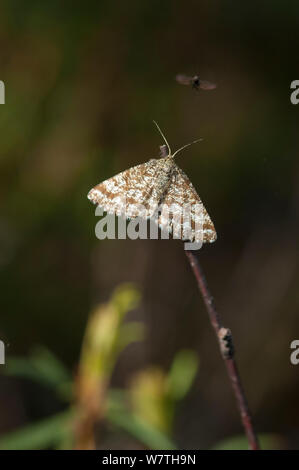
(43, 367)
(106, 336)
(182, 374)
(49, 433)
(154, 394)
(106, 333)
(125, 298)
(142, 430)
(148, 418)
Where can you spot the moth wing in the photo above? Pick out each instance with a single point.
(185, 216)
(126, 192)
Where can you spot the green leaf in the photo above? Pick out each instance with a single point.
(182, 374)
(120, 417)
(52, 369)
(46, 434)
(125, 297)
(43, 367)
(129, 333)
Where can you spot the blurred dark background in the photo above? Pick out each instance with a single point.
(83, 83)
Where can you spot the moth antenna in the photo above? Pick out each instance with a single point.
(164, 138)
(187, 145)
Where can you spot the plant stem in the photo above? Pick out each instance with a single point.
(225, 341)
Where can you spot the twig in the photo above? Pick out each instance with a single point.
(225, 341)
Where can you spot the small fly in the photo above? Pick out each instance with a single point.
(195, 82)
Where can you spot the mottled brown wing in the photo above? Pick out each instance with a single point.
(181, 195)
(183, 79)
(205, 85)
(125, 192)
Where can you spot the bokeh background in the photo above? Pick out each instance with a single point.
(83, 83)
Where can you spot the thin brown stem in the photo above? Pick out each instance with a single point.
(225, 341)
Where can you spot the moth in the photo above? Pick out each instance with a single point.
(195, 82)
(144, 189)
